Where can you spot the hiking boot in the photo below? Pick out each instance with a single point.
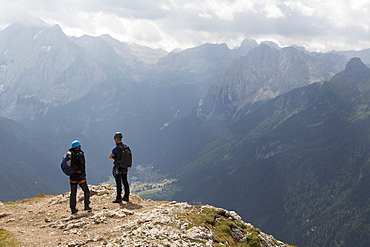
(74, 210)
(117, 201)
(125, 199)
(87, 208)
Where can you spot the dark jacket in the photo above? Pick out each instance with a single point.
(118, 154)
(78, 160)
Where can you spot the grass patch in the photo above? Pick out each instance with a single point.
(30, 199)
(158, 224)
(225, 228)
(147, 192)
(37, 197)
(7, 239)
(140, 187)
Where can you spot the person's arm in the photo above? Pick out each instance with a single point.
(111, 155)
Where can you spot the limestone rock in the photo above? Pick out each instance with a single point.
(46, 221)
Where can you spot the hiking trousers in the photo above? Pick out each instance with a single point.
(121, 178)
(72, 198)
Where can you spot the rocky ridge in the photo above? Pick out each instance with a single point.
(46, 221)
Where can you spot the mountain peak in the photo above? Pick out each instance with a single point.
(355, 68)
(29, 22)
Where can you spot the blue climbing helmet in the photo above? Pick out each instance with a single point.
(75, 144)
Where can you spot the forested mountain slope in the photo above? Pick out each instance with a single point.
(30, 162)
(26, 163)
(298, 165)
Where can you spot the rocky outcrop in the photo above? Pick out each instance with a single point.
(45, 221)
(264, 73)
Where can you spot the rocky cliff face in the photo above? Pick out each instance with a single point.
(264, 73)
(46, 221)
(97, 85)
(36, 71)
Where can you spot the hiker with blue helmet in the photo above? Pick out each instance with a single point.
(121, 154)
(78, 177)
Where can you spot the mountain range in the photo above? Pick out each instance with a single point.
(296, 165)
(277, 134)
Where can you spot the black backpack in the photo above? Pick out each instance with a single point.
(124, 156)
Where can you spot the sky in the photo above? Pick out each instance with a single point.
(317, 25)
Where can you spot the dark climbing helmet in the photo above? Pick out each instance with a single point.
(118, 136)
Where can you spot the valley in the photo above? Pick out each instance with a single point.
(278, 134)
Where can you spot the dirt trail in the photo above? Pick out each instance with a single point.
(30, 219)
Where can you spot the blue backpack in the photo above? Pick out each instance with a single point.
(66, 165)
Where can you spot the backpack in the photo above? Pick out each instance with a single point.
(125, 155)
(66, 164)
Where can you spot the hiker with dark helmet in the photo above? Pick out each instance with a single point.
(120, 167)
(78, 177)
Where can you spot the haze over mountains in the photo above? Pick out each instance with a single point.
(277, 134)
(298, 164)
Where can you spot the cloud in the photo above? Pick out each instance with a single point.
(273, 11)
(318, 25)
